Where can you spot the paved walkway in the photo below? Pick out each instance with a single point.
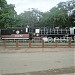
(38, 61)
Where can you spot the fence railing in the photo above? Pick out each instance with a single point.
(36, 43)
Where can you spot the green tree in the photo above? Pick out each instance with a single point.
(30, 18)
(7, 14)
(55, 17)
(69, 7)
(63, 15)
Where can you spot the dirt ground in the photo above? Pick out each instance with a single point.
(37, 61)
(31, 50)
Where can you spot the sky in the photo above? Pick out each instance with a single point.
(42, 5)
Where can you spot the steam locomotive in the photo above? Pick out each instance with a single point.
(29, 33)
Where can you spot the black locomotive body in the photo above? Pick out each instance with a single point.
(15, 33)
(30, 33)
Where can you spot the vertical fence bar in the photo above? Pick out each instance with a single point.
(69, 43)
(30, 43)
(4, 43)
(56, 43)
(17, 43)
(43, 43)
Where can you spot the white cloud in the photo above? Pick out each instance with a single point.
(43, 5)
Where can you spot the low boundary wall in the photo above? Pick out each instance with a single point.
(37, 43)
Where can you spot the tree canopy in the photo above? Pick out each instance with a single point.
(62, 15)
(7, 14)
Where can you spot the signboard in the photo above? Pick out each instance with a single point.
(15, 36)
(71, 30)
(37, 30)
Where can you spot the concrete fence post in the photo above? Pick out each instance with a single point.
(56, 43)
(43, 43)
(17, 43)
(4, 43)
(69, 43)
(30, 43)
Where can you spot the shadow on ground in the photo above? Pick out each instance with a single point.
(49, 72)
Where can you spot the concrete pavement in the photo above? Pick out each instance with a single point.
(28, 62)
